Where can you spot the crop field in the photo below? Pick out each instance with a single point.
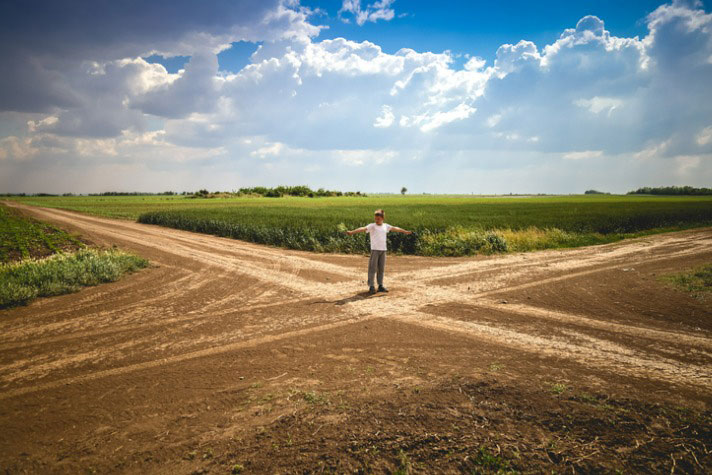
(444, 225)
(22, 237)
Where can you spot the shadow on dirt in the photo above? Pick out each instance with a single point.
(354, 298)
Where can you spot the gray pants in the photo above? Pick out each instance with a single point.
(376, 264)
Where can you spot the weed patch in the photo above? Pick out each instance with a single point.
(487, 462)
(495, 367)
(311, 397)
(697, 281)
(62, 273)
(558, 388)
(404, 464)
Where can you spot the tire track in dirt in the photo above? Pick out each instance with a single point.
(619, 355)
(420, 293)
(636, 331)
(163, 339)
(178, 358)
(622, 358)
(538, 281)
(192, 316)
(595, 352)
(564, 260)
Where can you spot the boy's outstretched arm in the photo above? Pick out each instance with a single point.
(400, 230)
(357, 230)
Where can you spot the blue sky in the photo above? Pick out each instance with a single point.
(529, 97)
(425, 26)
(478, 27)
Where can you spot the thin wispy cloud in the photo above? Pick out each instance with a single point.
(373, 12)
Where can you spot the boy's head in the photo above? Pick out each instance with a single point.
(379, 215)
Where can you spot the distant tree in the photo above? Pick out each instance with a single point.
(404, 190)
(595, 192)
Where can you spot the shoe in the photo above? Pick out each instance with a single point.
(382, 289)
(372, 290)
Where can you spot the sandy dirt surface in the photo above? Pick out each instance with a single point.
(228, 356)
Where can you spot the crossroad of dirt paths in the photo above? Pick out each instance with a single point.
(136, 375)
(211, 295)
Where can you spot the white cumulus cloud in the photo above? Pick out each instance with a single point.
(386, 118)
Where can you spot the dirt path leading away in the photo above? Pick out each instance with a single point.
(91, 379)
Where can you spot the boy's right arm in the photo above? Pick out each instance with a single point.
(357, 230)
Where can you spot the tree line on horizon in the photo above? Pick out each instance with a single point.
(276, 192)
(305, 191)
(301, 190)
(671, 190)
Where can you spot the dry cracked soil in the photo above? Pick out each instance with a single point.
(230, 357)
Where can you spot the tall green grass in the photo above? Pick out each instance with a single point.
(498, 227)
(62, 273)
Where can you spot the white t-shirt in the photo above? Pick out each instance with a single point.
(378, 235)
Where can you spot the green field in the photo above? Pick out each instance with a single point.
(445, 225)
(22, 238)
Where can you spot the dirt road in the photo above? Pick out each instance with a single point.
(227, 355)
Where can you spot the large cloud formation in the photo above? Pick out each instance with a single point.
(591, 109)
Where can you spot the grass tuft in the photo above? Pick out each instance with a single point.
(697, 281)
(491, 463)
(20, 282)
(313, 397)
(494, 367)
(404, 464)
(558, 388)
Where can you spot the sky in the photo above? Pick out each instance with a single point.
(449, 97)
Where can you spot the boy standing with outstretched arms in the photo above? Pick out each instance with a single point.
(377, 263)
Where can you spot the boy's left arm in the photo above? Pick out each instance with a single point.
(400, 230)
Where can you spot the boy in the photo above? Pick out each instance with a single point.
(377, 262)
